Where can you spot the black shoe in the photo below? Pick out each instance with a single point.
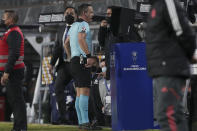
(96, 128)
(18, 130)
(80, 126)
(61, 122)
(55, 123)
(65, 122)
(88, 126)
(95, 125)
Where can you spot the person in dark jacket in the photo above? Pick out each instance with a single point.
(104, 37)
(170, 48)
(104, 28)
(192, 10)
(12, 66)
(95, 104)
(63, 67)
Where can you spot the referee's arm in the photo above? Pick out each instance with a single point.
(84, 47)
(82, 42)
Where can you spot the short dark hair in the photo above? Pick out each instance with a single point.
(102, 60)
(110, 7)
(83, 8)
(12, 14)
(68, 7)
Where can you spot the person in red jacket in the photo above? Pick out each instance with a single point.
(12, 66)
(170, 47)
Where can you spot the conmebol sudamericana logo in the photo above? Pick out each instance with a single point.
(134, 56)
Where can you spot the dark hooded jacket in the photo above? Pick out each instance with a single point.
(170, 40)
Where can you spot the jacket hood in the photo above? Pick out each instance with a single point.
(152, 1)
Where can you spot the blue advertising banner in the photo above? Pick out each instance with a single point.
(132, 93)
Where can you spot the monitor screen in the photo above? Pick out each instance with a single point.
(142, 11)
(143, 7)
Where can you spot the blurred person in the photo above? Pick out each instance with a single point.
(63, 67)
(109, 11)
(104, 27)
(12, 66)
(101, 77)
(78, 47)
(95, 105)
(103, 69)
(192, 10)
(104, 35)
(105, 93)
(170, 48)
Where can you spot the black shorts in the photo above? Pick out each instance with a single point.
(81, 74)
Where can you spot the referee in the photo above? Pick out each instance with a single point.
(78, 46)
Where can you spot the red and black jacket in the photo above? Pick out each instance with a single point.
(170, 41)
(12, 49)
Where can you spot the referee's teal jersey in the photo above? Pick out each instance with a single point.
(76, 28)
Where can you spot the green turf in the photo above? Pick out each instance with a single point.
(47, 127)
(44, 127)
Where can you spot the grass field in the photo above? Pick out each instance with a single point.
(47, 127)
(44, 127)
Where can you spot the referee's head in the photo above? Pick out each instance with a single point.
(86, 12)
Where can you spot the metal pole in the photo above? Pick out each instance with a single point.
(36, 95)
(40, 95)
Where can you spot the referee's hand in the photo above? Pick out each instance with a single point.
(90, 62)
